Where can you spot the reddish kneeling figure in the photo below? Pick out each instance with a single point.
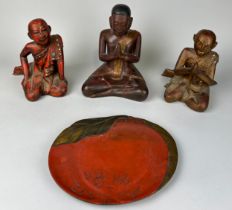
(44, 76)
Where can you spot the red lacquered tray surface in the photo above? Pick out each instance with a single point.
(112, 160)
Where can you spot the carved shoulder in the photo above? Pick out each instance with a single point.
(188, 51)
(57, 39)
(105, 33)
(215, 57)
(134, 33)
(184, 55)
(28, 48)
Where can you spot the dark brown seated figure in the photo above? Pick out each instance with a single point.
(194, 73)
(44, 76)
(119, 48)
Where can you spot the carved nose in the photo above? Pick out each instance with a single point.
(200, 45)
(43, 35)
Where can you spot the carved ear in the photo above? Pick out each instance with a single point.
(49, 28)
(111, 21)
(194, 37)
(29, 35)
(130, 22)
(214, 45)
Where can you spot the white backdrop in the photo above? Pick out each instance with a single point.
(27, 130)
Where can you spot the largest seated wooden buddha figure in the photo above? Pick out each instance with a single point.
(119, 48)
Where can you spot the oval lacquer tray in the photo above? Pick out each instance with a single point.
(112, 160)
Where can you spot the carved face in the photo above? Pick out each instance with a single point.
(203, 44)
(39, 31)
(120, 24)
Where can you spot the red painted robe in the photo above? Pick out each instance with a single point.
(44, 77)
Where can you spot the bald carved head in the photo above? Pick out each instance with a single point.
(204, 42)
(39, 31)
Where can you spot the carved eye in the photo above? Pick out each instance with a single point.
(35, 32)
(199, 44)
(116, 23)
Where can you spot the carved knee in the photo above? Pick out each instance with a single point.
(90, 89)
(86, 90)
(58, 91)
(202, 107)
(199, 107)
(33, 95)
(143, 93)
(171, 97)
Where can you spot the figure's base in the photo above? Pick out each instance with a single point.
(112, 160)
(123, 87)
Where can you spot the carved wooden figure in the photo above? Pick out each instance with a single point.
(119, 48)
(44, 76)
(194, 73)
